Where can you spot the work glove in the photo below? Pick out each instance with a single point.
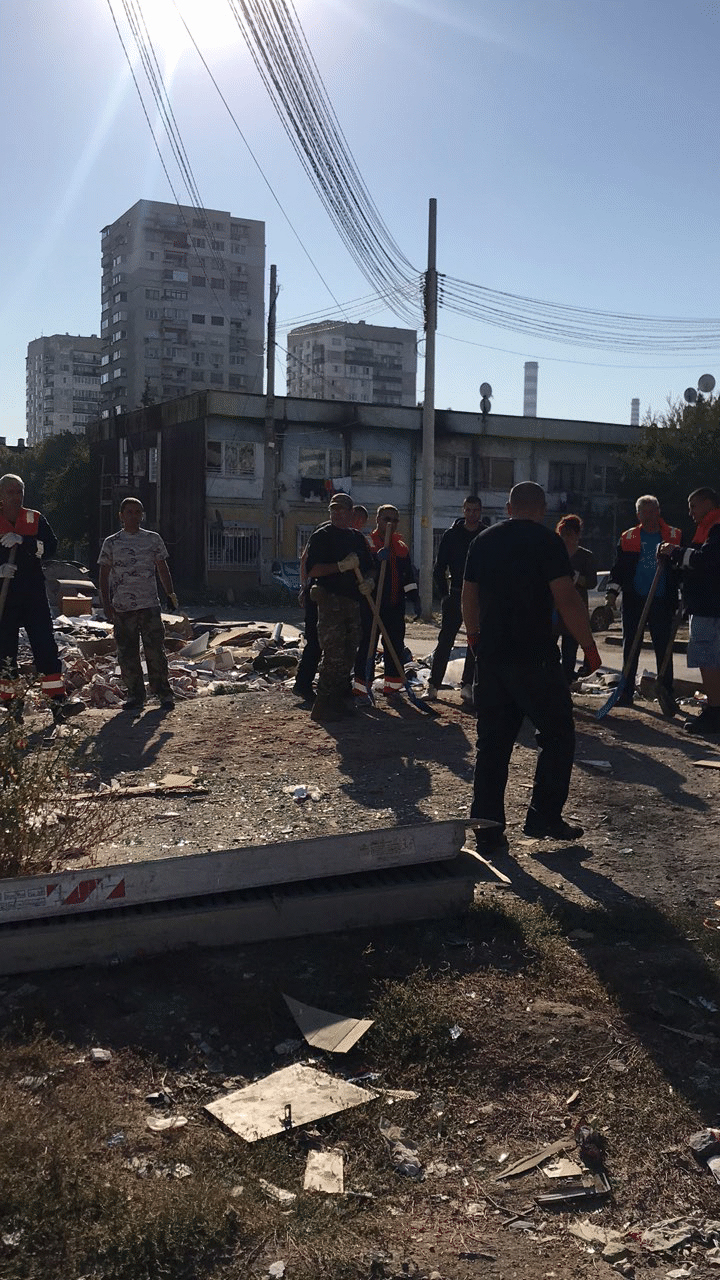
(366, 587)
(40, 549)
(11, 540)
(592, 659)
(8, 570)
(348, 563)
(173, 601)
(383, 554)
(472, 641)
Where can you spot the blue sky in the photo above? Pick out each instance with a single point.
(571, 146)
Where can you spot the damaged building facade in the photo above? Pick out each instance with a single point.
(229, 486)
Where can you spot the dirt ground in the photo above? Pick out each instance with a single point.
(593, 975)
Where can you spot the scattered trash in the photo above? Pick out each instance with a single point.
(277, 1193)
(665, 1236)
(161, 1124)
(116, 1140)
(160, 1099)
(603, 766)
(329, 1031)
(33, 1082)
(563, 1168)
(277, 1269)
(576, 1193)
(705, 1144)
(100, 1055)
(403, 1156)
(324, 1172)
(259, 1110)
(532, 1162)
(593, 1233)
(11, 1239)
(574, 1097)
(456, 1032)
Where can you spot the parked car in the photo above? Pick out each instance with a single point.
(597, 595)
(287, 573)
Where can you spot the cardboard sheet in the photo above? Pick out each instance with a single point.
(286, 1099)
(329, 1031)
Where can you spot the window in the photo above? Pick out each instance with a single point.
(199, 282)
(370, 467)
(199, 222)
(320, 464)
(302, 534)
(237, 381)
(216, 283)
(217, 319)
(218, 246)
(151, 313)
(152, 464)
(197, 319)
(238, 230)
(216, 379)
(197, 376)
(237, 248)
(199, 242)
(180, 277)
(495, 473)
(233, 546)
(197, 357)
(605, 479)
(152, 293)
(230, 457)
(566, 477)
(452, 471)
(152, 256)
(180, 295)
(120, 297)
(119, 316)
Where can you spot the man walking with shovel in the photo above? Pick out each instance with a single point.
(633, 574)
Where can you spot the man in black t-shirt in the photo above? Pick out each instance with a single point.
(334, 552)
(516, 573)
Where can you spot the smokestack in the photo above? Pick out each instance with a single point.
(530, 397)
(635, 413)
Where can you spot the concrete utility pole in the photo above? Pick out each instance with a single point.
(428, 421)
(267, 549)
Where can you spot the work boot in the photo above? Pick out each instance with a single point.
(304, 691)
(550, 828)
(63, 709)
(133, 704)
(489, 840)
(707, 722)
(326, 710)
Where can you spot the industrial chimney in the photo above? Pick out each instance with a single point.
(635, 413)
(530, 397)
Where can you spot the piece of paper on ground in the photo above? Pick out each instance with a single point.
(259, 1110)
(329, 1031)
(324, 1172)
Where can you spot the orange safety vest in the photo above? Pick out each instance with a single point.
(631, 541)
(26, 524)
(704, 527)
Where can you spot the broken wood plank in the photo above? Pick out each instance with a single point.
(532, 1162)
(68, 892)
(713, 763)
(495, 871)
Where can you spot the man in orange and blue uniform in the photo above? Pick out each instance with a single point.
(633, 573)
(26, 539)
(399, 586)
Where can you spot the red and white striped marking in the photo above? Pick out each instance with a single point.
(55, 894)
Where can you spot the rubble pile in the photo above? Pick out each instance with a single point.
(204, 658)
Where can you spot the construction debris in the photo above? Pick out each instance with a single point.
(532, 1162)
(324, 1172)
(403, 1155)
(285, 1100)
(329, 1031)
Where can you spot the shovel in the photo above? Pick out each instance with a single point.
(622, 682)
(375, 610)
(668, 705)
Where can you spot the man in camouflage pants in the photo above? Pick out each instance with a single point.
(334, 553)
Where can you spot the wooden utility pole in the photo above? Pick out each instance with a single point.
(428, 422)
(268, 549)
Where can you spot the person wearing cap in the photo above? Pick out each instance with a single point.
(399, 586)
(310, 658)
(335, 552)
(26, 540)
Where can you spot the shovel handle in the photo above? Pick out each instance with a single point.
(375, 610)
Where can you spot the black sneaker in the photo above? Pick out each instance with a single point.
(625, 700)
(306, 692)
(133, 704)
(707, 722)
(167, 704)
(554, 829)
(64, 709)
(490, 840)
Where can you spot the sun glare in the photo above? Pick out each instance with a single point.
(210, 22)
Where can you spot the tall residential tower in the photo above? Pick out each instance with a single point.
(182, 304)
(335, 360)
(62, 384)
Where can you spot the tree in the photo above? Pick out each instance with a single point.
(57, 480)
(678, 452)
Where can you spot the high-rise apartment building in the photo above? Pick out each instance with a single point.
(182, 304)
(370, 363)
(62, 384)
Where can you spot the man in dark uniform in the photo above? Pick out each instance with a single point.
(334, 552)
(516, 572)
(632, 573)
(451, 557)
(26, 539)
(310, 658)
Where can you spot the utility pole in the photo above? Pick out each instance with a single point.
(267, 549)
(428, 421)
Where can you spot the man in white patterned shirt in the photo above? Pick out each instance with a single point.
(130, 563)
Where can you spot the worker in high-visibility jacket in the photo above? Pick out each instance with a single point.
(26, 539)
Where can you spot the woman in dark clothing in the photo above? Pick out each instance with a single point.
(582, 562)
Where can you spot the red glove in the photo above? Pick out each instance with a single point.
(592, 659)
(472, 639)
